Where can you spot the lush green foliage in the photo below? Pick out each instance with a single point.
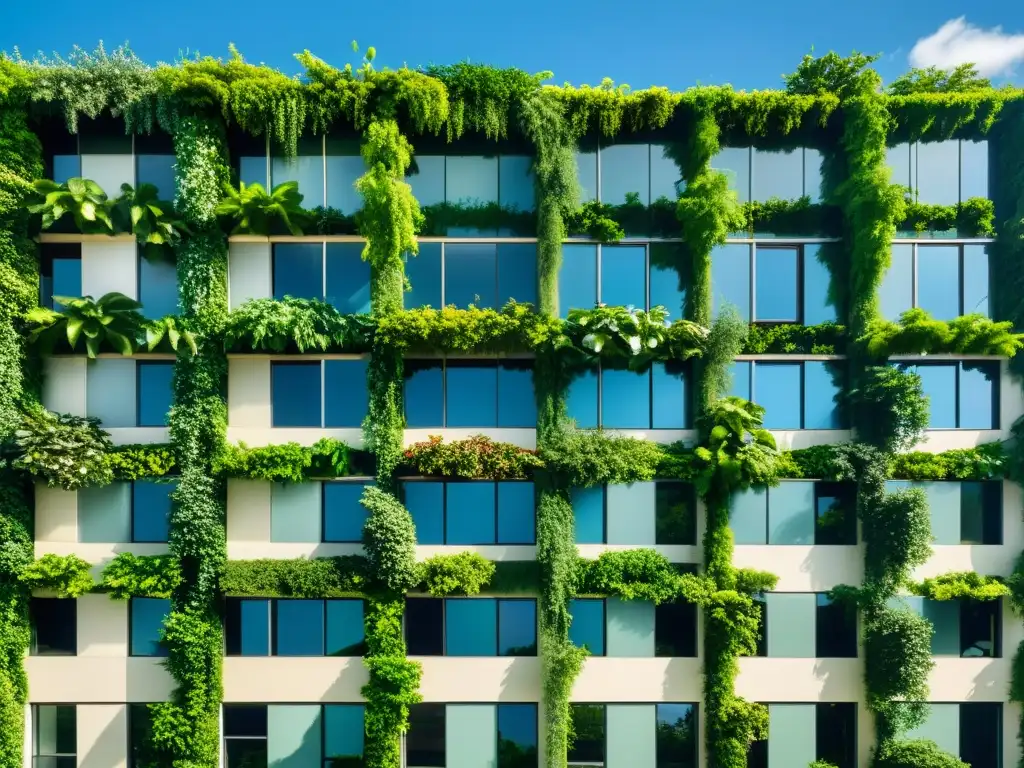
(971, 218)
(888, 408)
(786, 338)
(84, 199)
(633, 335)
(167, 333)
(267, 325)
(153, 221)
(726, 340)
(134, 462)
(64, 451)
(129, 575)
(474, 457)
(67, 575)
(739, 452)
(963, 77)
(389, 538)
(986, 462)
(639, 574)
(319, 577)
(585, 458)
(513, 328)
(251, 210)
(464, 573)
(289, 462)
(964, 585)
(914, 753)
(917, 333)
(112, 321)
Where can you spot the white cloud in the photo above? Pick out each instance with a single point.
(957, 42)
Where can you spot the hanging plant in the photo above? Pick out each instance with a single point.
(153, 222)
(113, 321)
(249, 210)
(84, 199)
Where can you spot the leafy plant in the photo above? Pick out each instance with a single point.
(269, 325)
(129, 575)
(464, 573)
(632, 334)
(250, 210)
(319, 577)
(166, 332)
(67, 575)
(739, 452)
(596, 220)
(965, 585)
(914, 753)
(84, 199)
(917, 333)
(113, 321)
(134, 462)
(585, 458)
(65, 451)
(888, 408)
(962, 77)
(475, 457)
(152, 221)
(290, 462)
(389, 538)
(640, 574)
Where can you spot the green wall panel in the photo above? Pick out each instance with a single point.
(293, 736)
(630, 627)
(791, 735)
(631, 514)
(471, 736)
(295, 512)
(105, 513)
(631, 736)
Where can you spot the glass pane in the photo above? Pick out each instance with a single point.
(470, 627)
(981, 513)
(517, 273)
(247, 627)
(812, 174)
(154, 393)
(625, 172)
(515, 183)
(423, 273)
(67, 280)
(821, 392)
(898, 160)
(299, 628)
(517, 628)
(735, 162)
(938, 280)
(516, 517)
(158, 287)
(147, 621)
(775, 287)
(517, 735)
(777, 390)
(677, 736)
(245, 720)
(979, 396)
(623, 276)
(577, 278)
(344, 516)
(675, 514)
(307, 170)
(836, 733)
(157, 170)
(938, 383)
(426, 177)
(471, 394)
(586, 171)
(835, 629)
(778, 174)
(54, 626)
(675, 629)
(588, 747)
(342, 172)
(670, 396)
(425, 502)
(973, 169)
(666, 289)
(981, 734)
(730, 278)
(587, 627)
(295, 394)
(151, 510)
(625, 400)
(517, 406)
(581, 400)
(424, 627)
(253, 170)
(424, 394)
(748, 516)
(298, 270)
(346, 397)
(246, 753)
(741, 379)
(975, 280)
(348, 278)
(835, 514)
(55, 729)
(896, 293)
(938, 172)
(471, 275)
(345, 628)
(425, 739)
(666, 178)
(343, 734)
(470, 513)
(66, 167)
(471, 179)
(588, 514)
(816, 283)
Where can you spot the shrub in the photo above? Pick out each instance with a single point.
(66, 451)
(914, 753)
(888, 408)
(475, 457)
(464, 573)
(67, 575)
(129, 575)
(389, 538)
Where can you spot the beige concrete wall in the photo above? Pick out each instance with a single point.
(110, 266)
(293, 679)
(102, 735)
(606, 679)
(476, 679)
(248, 394)
(800, 680)
(804, 568)
(249, 272)
(109, 171)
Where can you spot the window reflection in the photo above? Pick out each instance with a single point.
(666, 178)
(735, 163)
(623, 276)
(424, 393)
(298, 270)
(147, 621)
(298, 627)
(625, 173)
(677, 736)
(423, 272)
(778, 174)
(158, 287)
(820, 394)
(347, 276)
(346, 397)
(973, 169)
(517, 627)
(588, 623)
(471, 179)
(471, 394)
(588, 726)
(306, 168)
(976, 280)
(295, 394)
(470, 625)
(817, 279)
(625, 400)
(470, 275)
(470, 513)
(151, 510)
(776, 284)
(577, 278)
(942, 172)
(154, 392)
(666, 288)
(938, 172)
(730, 278)
(586, 171)
(343, 164)
(517, 735)
(517, 273)
(344, 516)
(515, 182)
(157, 170)
(938, 281)
(426, 177)
(960, 395)
(896, 293)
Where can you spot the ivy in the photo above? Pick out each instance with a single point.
(67, 575)
(129, 575)
(888, 408)
(639, 574)
(476, 457)
(389, 539)
(291, 462)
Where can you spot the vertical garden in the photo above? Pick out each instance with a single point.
(834, 105)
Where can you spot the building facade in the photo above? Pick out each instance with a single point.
(294, 676)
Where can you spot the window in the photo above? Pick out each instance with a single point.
(296, 387)
(960, 395)
(151, 510)
(157, 170)
(141, 752)
(136, 511)
(589, 727)
(471, 627)
(613, 398)
(586, 629)
(972, 731)
(661, 512)
(801, 625)
(946, 281)
(675, 629)
(343, 166)
(800, 734)
(293, 627)
(641, 276)
(343, 515)
(486, 275)
(941, 172)
(964, 628)
(757, 174)
(773, 386)
(633, 628)
(54, 626)
(331, 272)
(501, 735)
(157, 287)
(472, 512)
(55, 736)
(802, 512)
(425, 740)
(306, 168)
(60, 273)
(155, 392)
(961, 512)
(517, 735)
(464, 393)
(676, 735)
(662, 735)
(146, 624)
(245, 735)
(258, 735)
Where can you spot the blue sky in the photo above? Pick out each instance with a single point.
(748, 43)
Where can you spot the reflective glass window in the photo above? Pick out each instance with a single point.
(735, 162)
(345, 628)
(470, 627)
(981, 734)
(835, 514)
(588, 625)
(979, 396)
(343, 726)
(778, 174)
(147, 616)
(344, 516)
(54, 626)
(976, 280)
(344, 165)
(298, 270)
(898, 160)
(581, 399)
(515, 182)
(158, 287)
(938, 280)
(625, 170)
(426, 177)
(425, 739)
(577, 278)
(157, 170)
(471, 394)
(425, 502)
(741, 374)
(517, 406)
(517, 273)
(423, 272)
(896, 293)
(246, 627)
(812, 174)
(516, 513)
(424, 627)
(730, 278)
(588, 515)
(471, 274)
(835, 626)
(676, 736)
(938, 382)
(666, 178)
(470, 513)
(675, 514)
(981, 513)
(973, 169)
(306, 168)
(155, 393)
(816, 283)
(775, 285)
(669, 396)
(623, 275)
(625, 400)
(424, 393)
(821, 390)
(253, 170)
(836, 733)
(60, 272)
(666, 289)
(346, 397)
(471, 180)
(588, 726)
(517, 627)
(245, 735)
(66, 167)
(151, 510)
(298, 627)
(295, 394)
(55, 729)
(517, 735)
(348, 278)
(675, 629)
(586, 171)
(938, 172)
(777, 390)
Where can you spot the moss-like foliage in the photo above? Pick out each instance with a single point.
(319, 577)
(785, 338)
(129, 575)
(135, 462)
(291, 462)
(587, 458)
(917, 333)
(640, 574)
(302, 325)
(971, 218)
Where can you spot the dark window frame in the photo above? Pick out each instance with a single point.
(752, 382)
(272, 625)
(131, 632)
(685, 369)
(604, 622)
(171, 480)
(497, 624)
(73, 621)
(798, 249)
(50, 252)
(59, 758)
(464, 362)
(266, 706)
(446, 481)
(958, 366)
